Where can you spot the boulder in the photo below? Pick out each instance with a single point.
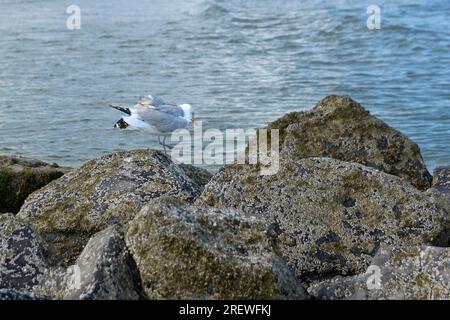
(19, 177)
(404, 273)
(21, 258)
(330, 216)
(187, 252)
(340, 128)
(105, 270)
(105, 191)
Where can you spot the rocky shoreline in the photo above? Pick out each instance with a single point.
(352, 195)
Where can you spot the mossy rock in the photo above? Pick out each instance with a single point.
(406, 273)
(340, 128)
(186, 252)
(19, 177)
(330, 216)
(105, 191)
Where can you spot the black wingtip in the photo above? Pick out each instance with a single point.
(124, 110)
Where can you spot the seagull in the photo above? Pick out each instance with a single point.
(155, 116)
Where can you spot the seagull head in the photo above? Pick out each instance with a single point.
(189, 115)
(187, 110)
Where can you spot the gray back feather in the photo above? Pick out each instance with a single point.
(163, 121)
(170, 109)
(157, 101)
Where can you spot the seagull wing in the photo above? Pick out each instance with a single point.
(170, 109)
(157, 101)
(165, 122)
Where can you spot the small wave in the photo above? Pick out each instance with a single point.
(403, 29)
(283, 37)
(106, 36)
(251, 20)
(209, 9)
(268, 22)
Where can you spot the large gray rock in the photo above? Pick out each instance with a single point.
(330, 216)
(185, 252)
(112, 189)
(20, 176)
(412, 273)
(341, 128)
(105, 270)
(21, 259)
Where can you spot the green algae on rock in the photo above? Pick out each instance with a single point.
(109, 190)
(340, 128)
(330, 216)
(19, 177)
(186, 252)
(406, 273)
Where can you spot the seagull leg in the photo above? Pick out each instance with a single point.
(164, 143)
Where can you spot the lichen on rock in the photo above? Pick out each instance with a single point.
(441, 180)
(187, 252)
(340, 128)
(406, 273)
(330, 216)
(21, 258)
(11, 294)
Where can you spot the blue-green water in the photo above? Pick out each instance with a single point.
(239, 63)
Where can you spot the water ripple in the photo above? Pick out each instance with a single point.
(239, 63)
